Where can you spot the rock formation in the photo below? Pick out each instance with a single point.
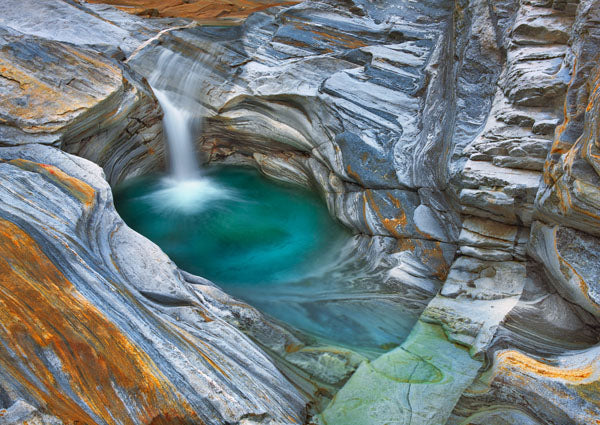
(456, 139)
(199, 10)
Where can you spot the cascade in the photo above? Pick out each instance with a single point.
(185, 189)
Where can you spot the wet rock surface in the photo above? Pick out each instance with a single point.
(458, 140)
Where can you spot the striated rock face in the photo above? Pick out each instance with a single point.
(94, 332)
(569, 192)
(199, 10)
(306, 94)
(75, 97)
(82, 291)
(456, 139)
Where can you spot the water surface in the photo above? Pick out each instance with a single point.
(272, 245)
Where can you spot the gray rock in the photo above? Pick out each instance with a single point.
(114, 295)
(430, 129)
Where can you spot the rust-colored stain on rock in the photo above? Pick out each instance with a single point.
(79, 82)
(434, 257)
(194, 9)
(82, 191)
(515, 359)
(49, 330)
(390, 224)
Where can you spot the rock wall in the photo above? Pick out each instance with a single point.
(98, 325)
(429, 130)
(512, 298)
(457, 139)
(65, 85)
(94, 332)
(199, 10)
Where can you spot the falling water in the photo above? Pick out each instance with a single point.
(176, 84)
(178, 124)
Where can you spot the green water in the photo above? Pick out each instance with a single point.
(272, 245)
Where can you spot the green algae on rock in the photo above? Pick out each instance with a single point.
(417, 383)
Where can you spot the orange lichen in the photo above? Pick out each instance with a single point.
(50, 329)
(292, 348)
(515, 359)
(341, 39)
(394, 201)
(82, 191)
(200, 10)
(193, 343)
(434, 257)
(204, 314)
(332, 36)
(56, 103)
(353, 174)
(406, 244)
(390, 224)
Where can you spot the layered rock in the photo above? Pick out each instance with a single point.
(105, 339)
(456, 139)
(199, 10)
(305, 95)
(94, 332)
(399, 137)
(76, 97)
(542, 357)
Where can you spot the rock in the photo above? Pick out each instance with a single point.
(148, 348)
(197, 10)
(21, 413)
(81, 101)
(562, 386)
(544, 126)
(411, 383)
(48, 87)
(517, 187)
(476, 297)
(569, 192)
(569, 258)
(430, 129)
(534, 76)
(543, 322)
(497, 416)
(406, 384)
(519, 162)
(486, 236)
(296, 110)
(540, 25)
(77, 24)
(491, 203)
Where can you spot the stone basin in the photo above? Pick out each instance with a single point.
(272, 245)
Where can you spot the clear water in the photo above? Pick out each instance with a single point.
(272, 245)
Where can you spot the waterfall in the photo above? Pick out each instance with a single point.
(178, 125)
(177, 82)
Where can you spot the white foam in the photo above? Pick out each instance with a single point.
(187, 196)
